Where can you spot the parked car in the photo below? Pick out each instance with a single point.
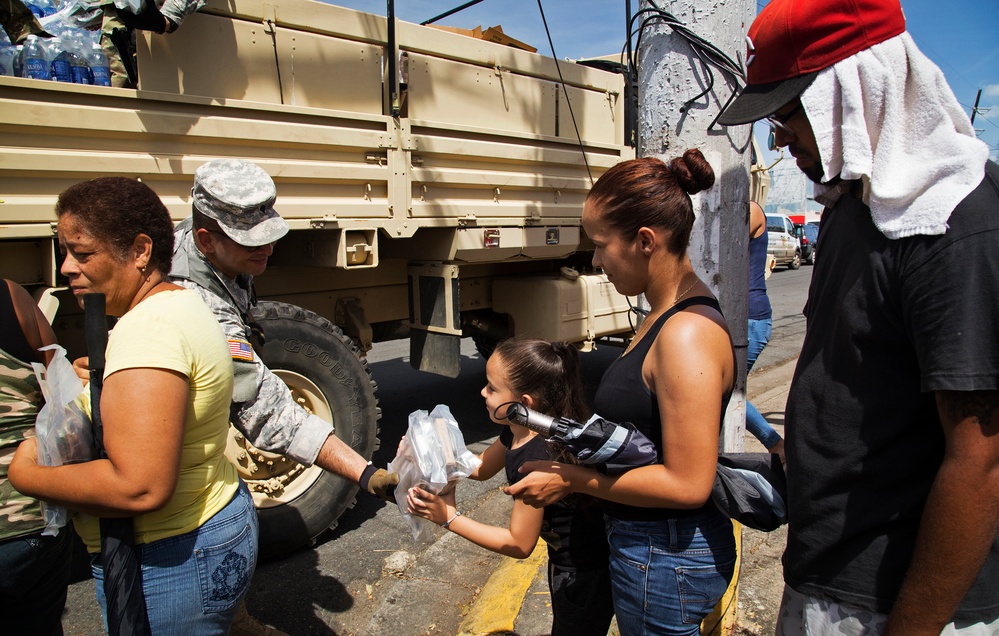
(808, 239)
(782, 241)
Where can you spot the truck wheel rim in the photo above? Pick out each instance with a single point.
(273, 479)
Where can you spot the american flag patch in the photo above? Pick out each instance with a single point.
(240, 350)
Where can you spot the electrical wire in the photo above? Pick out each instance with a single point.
(708, 55)
(568, 102)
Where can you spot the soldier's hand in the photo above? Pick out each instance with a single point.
(380, 483)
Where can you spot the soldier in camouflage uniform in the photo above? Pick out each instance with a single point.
(118, 30)
(217, 251)
(35, 568)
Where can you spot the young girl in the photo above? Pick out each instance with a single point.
(543, 376)
(672, 551)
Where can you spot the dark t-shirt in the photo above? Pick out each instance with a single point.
(889, 323)
(572, 527)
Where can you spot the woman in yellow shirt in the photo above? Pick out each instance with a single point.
(165, 412)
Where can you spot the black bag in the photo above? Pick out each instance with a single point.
(751, 488)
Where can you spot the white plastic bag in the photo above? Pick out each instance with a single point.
(432, 456)
(63, 434)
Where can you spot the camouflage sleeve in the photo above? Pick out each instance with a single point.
(178, 10)
(263, 408)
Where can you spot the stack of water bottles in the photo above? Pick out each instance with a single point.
(73, 54)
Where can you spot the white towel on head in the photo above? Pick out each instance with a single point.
(886, 116)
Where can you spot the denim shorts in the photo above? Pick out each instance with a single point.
(193, 582)
(667, 575)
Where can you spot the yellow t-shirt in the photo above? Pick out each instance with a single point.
(175, 330)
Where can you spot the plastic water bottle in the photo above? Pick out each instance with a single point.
(78, 65)
(35, 8)
(60, 69)
(47, 7)
(7, 55)
(34, 63)
(99, 66)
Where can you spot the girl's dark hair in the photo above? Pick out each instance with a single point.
(115, 210)
(649, 193)
(548, 372)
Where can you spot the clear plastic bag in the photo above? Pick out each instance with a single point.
(63, 433)
(432, 456)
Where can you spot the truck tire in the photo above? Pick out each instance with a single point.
(329, 377)
(796, 261)
(485, 345)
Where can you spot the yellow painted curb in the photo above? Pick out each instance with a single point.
(722, 620)
(498, 605)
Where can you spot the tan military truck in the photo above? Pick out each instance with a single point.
(433, 183)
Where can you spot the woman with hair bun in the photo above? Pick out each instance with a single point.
(672, 553)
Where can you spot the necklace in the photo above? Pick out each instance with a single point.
(651, 317)
(684, 292)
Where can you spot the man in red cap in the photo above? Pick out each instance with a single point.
(893, 413)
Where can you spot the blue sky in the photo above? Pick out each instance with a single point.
(962, 38)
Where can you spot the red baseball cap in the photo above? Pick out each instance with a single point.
(790, 41)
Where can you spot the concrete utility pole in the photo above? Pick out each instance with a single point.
(669, 75)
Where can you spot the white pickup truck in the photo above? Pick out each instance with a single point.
(782, 241)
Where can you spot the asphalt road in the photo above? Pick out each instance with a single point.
(369, 577)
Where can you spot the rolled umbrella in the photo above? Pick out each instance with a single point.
(120, 556)
(750, 488)
(610, 447)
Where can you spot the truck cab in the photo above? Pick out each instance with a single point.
(782, 241)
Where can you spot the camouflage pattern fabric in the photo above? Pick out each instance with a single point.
(19, 22)
(111, 22)
(240, 195)
(263, 408)
(20, 401)
(176, 10)
(801, 614)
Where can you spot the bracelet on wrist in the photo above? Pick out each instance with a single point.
(447, 524)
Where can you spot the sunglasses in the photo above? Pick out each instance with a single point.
(245, 247)
(780, 123)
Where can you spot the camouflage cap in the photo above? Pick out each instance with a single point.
(240, 196)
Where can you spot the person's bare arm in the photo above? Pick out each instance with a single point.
(143, 413)
(517, 541)
(961, 517)
(34, 325)
(757, 220)
(493, 461)
(340, 459)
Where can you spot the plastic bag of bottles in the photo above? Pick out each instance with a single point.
(71, 56)
(63, 433)
(433, 456)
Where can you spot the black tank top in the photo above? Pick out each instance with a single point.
(623, 397)
(12, 338)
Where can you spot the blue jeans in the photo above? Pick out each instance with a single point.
(193, 582)
(34, 581)
(667, 575)
(759, 335)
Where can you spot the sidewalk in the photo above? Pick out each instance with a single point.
(515, 600)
